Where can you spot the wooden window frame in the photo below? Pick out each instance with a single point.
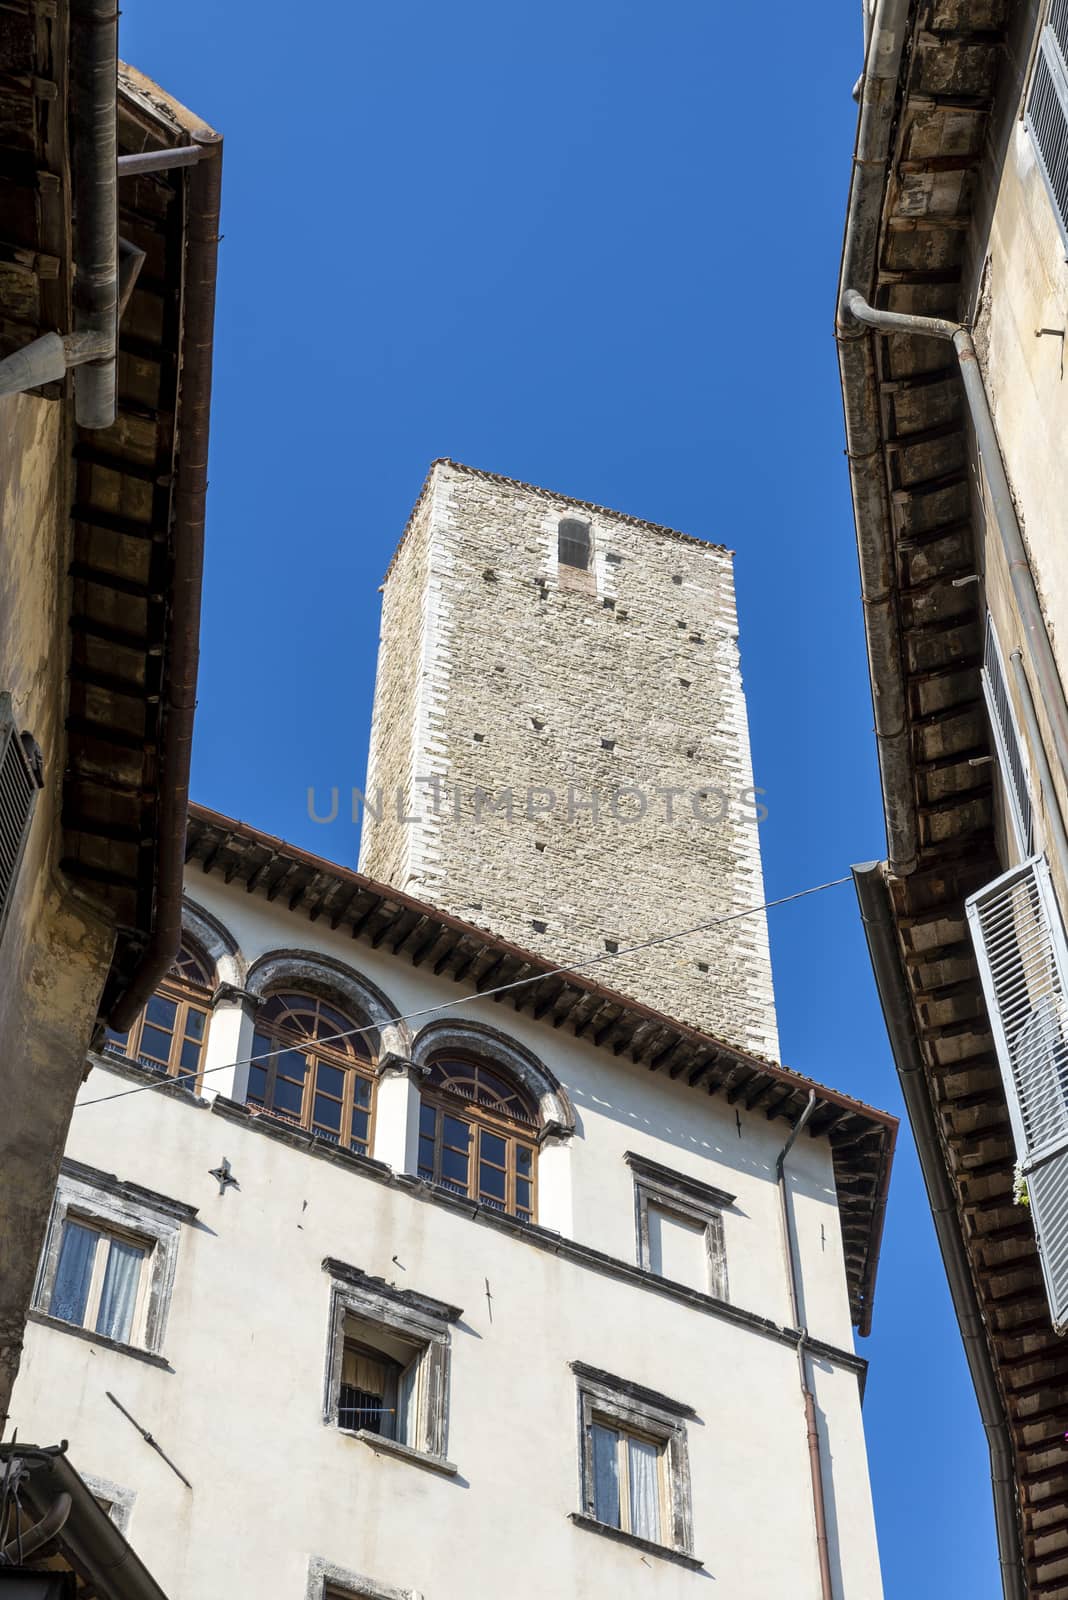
(187, 996)
(639, 1413)
(314, 1053)
(480, 1117)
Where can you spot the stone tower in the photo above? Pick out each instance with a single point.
(559, 748)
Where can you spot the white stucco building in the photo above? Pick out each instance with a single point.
(492, 1297)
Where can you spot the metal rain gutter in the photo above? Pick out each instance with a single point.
(183, 645)
(88, 1537)
(871, 159)
(876, 914)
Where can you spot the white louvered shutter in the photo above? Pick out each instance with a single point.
(1011, 757)
(1019, 941)
(19, 783)
(1047, 108)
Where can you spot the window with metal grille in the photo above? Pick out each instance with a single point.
(1047, 108)
(573, 543)
(20, 781)
(1019, 941)
(1010, 750)
(379, 1389)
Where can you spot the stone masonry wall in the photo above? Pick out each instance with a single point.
(563, 757)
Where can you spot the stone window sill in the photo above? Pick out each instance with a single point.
(649, 1546)
(404, 1452)
(92, 1337)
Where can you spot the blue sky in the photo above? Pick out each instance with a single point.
(593, 246)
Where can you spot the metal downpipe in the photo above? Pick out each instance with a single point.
(812, 1432)
(1050, 687)
(94, 152)
(879, 930)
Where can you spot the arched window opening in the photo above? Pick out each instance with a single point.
(170, 1034)
(304, 1074)
(478, 1135)
(573, 543)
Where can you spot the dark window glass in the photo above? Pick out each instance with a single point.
(331, 1080)
(295, 1033)
(171, 1030)
(155, 1043)
(573, 537)
(162, 1011)
(502, 1176)
(493, 1148)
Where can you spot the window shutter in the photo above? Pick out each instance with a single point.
(1047, 108)
(1023, 964)
(20, 779)
(1011, 757)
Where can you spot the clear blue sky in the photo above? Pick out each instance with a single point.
(594, 246)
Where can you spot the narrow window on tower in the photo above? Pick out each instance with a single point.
(573, 543)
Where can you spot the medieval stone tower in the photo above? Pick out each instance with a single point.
(559, 749)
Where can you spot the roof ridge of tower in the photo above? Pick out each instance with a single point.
(548, 494)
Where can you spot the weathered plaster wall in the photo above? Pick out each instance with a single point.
(55, 950)
(499, 671)
(1024, 288)
(240, 1410)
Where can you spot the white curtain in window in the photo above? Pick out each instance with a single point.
(73, 1273)
(604, 1443)
(115, 1318)
(643, 1463)
(408, 1404)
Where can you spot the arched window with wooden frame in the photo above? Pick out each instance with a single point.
(478, 1134)
(310, 1067)
(170, 1034)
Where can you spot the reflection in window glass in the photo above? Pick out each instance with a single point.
(463, 1099)
(311, 1067)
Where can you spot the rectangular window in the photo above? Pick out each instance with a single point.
(573, 543)
(1012, 758)
(109, 1259)
(99, 1281)
(634, 1464)
(679, 1226)
(388, 1364)
(1046, 115)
